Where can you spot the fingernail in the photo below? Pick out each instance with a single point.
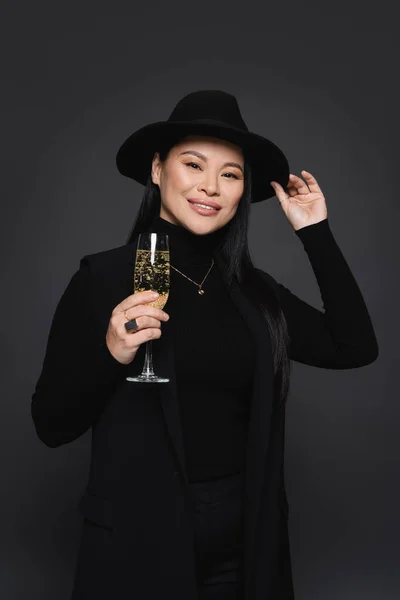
(154, 294)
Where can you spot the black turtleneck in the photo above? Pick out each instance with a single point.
(213, 383)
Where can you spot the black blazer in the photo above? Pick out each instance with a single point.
(137, 536)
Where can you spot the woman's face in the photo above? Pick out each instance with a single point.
(201, 169)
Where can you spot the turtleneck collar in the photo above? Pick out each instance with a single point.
(186, 246)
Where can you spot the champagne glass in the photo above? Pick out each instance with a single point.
(152, 272)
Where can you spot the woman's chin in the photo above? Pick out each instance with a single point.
(200, 226)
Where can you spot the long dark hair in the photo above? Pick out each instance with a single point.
(235, 253)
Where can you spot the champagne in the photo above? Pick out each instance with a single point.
(152, 273)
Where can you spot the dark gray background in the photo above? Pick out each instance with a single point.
(79, 80)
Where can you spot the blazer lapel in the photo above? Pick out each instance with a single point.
(261, 403)
(164, 365)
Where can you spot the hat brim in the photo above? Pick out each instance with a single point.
(266, 160)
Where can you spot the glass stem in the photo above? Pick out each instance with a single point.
(148, 361)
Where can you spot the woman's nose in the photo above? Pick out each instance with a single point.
(210, 185)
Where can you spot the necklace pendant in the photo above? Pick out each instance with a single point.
(201, 291)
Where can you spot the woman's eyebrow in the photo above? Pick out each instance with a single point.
(200, 155)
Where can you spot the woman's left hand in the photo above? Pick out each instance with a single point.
(305, 204)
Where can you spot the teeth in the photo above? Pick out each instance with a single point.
(204, 206)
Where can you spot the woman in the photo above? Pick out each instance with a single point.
(186, 496)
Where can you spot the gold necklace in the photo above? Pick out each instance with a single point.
(201, 291)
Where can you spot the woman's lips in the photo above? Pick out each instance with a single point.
(206, 212)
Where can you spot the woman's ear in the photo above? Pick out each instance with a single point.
(155, 169)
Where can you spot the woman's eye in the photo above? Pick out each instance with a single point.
(196, 165)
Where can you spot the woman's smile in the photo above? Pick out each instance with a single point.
(203, 209)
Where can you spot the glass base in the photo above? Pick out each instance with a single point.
(148, 379)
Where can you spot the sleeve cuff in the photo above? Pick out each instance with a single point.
(315, 234)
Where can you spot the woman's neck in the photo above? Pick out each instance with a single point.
(186, 246)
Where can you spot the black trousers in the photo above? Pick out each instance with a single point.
(218, 517)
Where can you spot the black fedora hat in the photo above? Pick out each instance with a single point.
(206, 112)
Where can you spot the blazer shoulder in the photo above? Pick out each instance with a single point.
(273, 283)
(108, 259)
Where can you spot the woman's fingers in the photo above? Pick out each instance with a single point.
(140, 336)
(134, 300)
(144, 309)
(312, 182)
(296, 186)
(143, 322)
(137, 304)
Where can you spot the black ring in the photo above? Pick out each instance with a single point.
(131, 325)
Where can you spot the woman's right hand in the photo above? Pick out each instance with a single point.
(122, 344)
